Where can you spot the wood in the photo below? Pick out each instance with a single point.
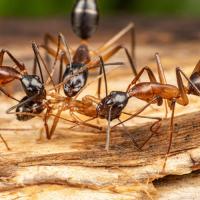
(75, 162)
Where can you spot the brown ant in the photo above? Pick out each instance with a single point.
(152, 92)
(84, 20)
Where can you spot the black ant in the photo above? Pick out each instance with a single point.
(84, 20)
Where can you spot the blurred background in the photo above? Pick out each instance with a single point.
(38, 8)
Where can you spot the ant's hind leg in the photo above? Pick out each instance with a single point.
(171, 132)
(130, 28)
(129, 135)
(162, 79)
(114, 51)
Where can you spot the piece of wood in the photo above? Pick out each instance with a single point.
(76, 161)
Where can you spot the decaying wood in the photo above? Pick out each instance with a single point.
(75, 160)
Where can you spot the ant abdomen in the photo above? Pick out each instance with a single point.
(85, 18)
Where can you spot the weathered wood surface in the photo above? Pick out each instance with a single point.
(74, 164)
(78, 160)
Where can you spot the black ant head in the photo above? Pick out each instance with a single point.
(195, 79)
(32, 107)
(115, 101)
(32, 85)
(85, 18)
(75, 83)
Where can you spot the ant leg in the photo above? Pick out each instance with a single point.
(129, 135)
(88, 120)
(138, 112)
(8, 95)
(65, 52)
(49, 38)
(61, 68)
(183, 99)
(129, 28)
(171, 131)
(102, 69)
(108, 131)
(178, 74)
(80, 122)
(21, 66)
(149, 73)
(163, 80)
(157, 125)
(115, 50)
(34, 66)
(56, 120)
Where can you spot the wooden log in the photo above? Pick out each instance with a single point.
(75, 162)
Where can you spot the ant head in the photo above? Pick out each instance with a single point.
(32, 107)
(195, 79)
(32, 85)
(75, 83)
(85, 18)
(115, 101)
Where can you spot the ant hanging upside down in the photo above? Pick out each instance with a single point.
(84, 19)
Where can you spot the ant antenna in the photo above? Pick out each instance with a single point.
(38, 55)
(66, 48)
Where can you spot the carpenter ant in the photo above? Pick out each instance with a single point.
(156, 92)
(34, 103)
(84, 20)
(152, 92)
